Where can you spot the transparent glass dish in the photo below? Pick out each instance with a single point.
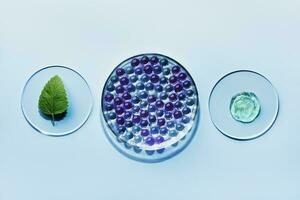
(239, 82)
(79, 97)
(150, 107)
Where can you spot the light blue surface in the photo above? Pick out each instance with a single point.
(210, 38)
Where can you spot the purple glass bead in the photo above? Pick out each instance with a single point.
(124, 81)
(128, 105)
(150, 141)
(119, 110)
(144, 60)
(154, 78)
(120, 89)
(120, 120)
(118, 101)
(135, 62)
(144, 113)
(178, 87)
(138, 71)
(108, 97)
(144, 123)
(159, 104)
(182, 76)
(126, 96)
(169, 106)
(175, 69)
(136, 119)
(144, 132)
(154, 60)
(151, 98)
(173, 97)
(159, 139)
(186, 84)
(161, 122)
(120, 71)
(177, 114)
(172, 79)
(127, 114)
(148, 69)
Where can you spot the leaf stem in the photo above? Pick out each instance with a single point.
(53, 122)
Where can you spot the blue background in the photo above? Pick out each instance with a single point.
(210, 38)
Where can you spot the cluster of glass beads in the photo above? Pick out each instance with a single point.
(150, 102)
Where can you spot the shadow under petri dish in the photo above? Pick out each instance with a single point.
(79, 98)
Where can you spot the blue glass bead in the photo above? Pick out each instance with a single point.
(127, 114)
(144, 132)
(129, 70)
(114, 79)
(120, 120)
(163, 95)
(121, 129)
(178, 104)
(150, 152)
(138, 71)
(168, 115)
(140, 86)
(148, 69)
(154, 59)
(182, 76)
(136, 109)
(152, 118)
(143, 104)
(159, 139)
(172, 79)
(151, 108)
(161, 122)
(119, 110)
(170, 124)
(128, 105)
(130, 88)
(136, 129)
(110, 87)
(145, 78)
(133, 78)
(186, 84)
(186, 110)
(108, 97)
(108, 107)
(177, 114)
(154, 78)
(179, 127)
(135, 100)
(186, 119)
(120, 71)
(173, 133)
(158, 88)
(159, 113)
(135, 62)
(126, 96)
(128, 135)
(137, 139)
(169, 88)
(154, 130)
(189, 92)
(144, 123)
(118, 101)
(119, 89)
(163, 130)
(160, 151)
(150, 141)
(136, 119)
(178, 87)
(166, 71)
(128, 124)
(169, 106)
(157, 69)
(124, 81)
(149, 86)
(143, 94)
(181, 96)
(190, 102)
(173, 97)
(175, 69)
(164, 62)
(112, 115)
(144, 60)
(163, 80)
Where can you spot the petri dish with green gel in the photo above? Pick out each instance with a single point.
(243, 105)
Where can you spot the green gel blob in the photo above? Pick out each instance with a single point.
(245, 107)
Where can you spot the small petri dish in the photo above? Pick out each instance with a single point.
(243, 105)
(150, 107)
(79, 98)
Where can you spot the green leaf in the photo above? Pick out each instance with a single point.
(53, 99)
